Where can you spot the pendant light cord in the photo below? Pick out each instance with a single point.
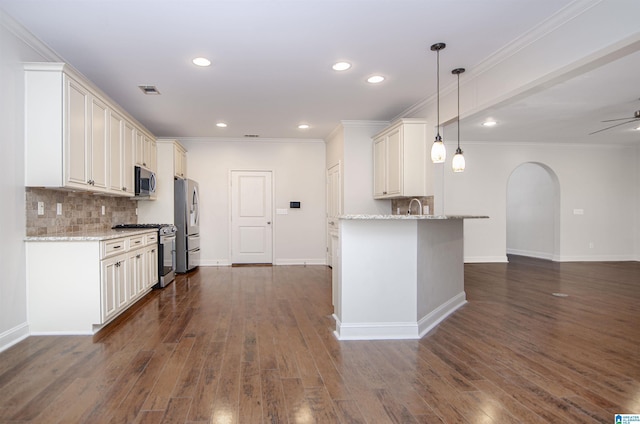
(458, 111)
(438, 89)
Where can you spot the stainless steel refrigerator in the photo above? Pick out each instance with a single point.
(187, 217)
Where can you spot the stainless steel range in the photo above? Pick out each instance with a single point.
(166, 250)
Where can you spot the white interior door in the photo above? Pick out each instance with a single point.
(251, 217)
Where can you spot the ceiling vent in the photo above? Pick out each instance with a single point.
(149, 89)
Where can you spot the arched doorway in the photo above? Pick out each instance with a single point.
(533, 212)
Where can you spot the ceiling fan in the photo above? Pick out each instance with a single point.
(635, 117)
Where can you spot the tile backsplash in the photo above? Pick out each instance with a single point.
(403, 205)
(80, 211)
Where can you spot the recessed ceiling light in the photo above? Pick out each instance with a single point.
(341, 66)
(221, 125)
(489, 123)
(201, 61)
(375, 79)
(303, 126)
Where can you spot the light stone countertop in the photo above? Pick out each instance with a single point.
(97, 235)
(413, 217)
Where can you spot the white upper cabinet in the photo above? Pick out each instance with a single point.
(121, 136)
(401, 166)
(179, 161)
(75, 136)
(146, 151)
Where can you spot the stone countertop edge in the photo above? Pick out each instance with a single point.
(97, 235)
(414, 217)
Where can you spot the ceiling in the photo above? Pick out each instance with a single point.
(271, 63)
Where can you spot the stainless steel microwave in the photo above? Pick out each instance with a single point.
(145, 182)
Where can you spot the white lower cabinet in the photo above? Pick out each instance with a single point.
(113, 282)
(104, 278)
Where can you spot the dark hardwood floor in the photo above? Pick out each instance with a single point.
(255, 345)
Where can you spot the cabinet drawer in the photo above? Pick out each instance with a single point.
(136, 241)
(152, 239)
(112, 247)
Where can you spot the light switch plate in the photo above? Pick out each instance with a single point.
(282, 212)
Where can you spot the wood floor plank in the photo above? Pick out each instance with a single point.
(177, 411)
(274, 409)
(159, 396)
(250, 404)
(256, 344)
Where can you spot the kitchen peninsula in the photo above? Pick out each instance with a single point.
(397, 276)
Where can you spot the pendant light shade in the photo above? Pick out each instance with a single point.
(458, 162)
(438, 151)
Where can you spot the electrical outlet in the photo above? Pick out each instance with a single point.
(591, 245)
(40, 208)
(58, 208)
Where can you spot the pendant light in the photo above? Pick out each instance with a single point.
(438, 152)
(458, 160)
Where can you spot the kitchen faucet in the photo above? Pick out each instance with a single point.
(419, 206)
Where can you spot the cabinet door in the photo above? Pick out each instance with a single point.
(152, 266)
(123, 281)
(99, 152)
(179, 162)
(137, 273)
(151, 154)
(394, 163)
(115, 152)
(77, 134)
(113, 276)
(139, 149)
(379, 167)
(128, 157)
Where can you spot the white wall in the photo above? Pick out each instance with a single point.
(531, 206)
(299, 174)
(358, 168)
(13, 304)
(599, 180)
(351, 143)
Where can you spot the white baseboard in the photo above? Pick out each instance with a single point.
(13, 336)
(532, 254)
(322, 261)
(377, 331)
(215, 262)
(484, 259)
(398, 330)
(227, 262)
(596, 258)
(431, 320)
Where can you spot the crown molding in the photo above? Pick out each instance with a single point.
(563, 16)
(17, 29)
